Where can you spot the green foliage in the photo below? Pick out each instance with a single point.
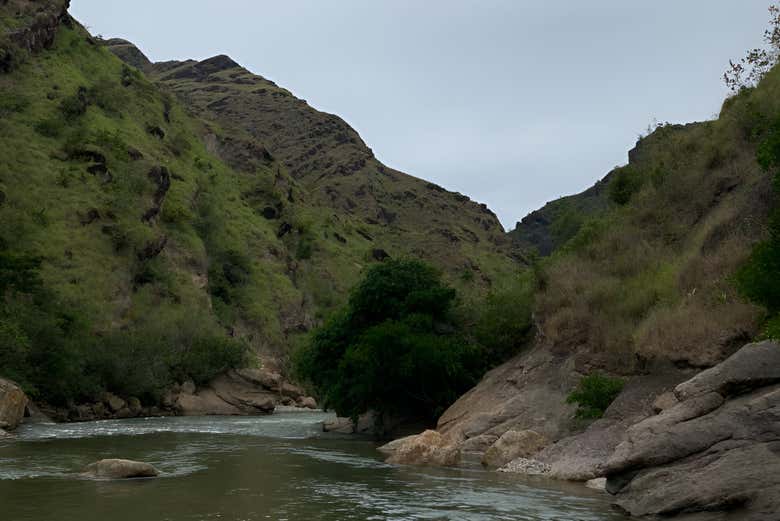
(759, 277)
(505, 322)
(594, 394)
(393, 348)
(626, 182)
(48, 348)
(148, 359)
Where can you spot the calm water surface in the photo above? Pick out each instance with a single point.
(278, 467)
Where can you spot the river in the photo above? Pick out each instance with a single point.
(277, 467)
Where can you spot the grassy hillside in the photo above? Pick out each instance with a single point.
(154, 224)
(644, 272)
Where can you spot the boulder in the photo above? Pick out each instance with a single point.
(597, 483)
(339, 425)
(188, 387)
(205, 403)
(120, 469)
(262, 377)
(718, 450)
(4, 434)
(114, 402)
(428, 448)
(12, 404)
(291, 391)
(511, 445)
(244, 395)
(134, 404)
(307, 402)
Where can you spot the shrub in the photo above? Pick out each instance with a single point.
(626, 182)
(393, 348)
(75, 105)
(505, 321)
(51, 127)
(594, 394)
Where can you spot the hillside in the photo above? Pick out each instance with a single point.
(178, 200)
(664, 269)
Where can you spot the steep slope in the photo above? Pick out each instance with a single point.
(336, 171)
(643, 289)
(202, 197)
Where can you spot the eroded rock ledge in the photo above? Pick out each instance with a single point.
(718, 449)
(709, 444)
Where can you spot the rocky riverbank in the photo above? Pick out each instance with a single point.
(666, 448)
(234, 393)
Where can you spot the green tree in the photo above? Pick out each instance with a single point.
(394, 348)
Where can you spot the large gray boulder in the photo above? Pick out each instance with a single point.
(717, 450)
(120, 469)
(12, 404)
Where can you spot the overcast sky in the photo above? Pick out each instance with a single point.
(512, 102)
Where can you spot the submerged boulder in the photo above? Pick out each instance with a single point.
(12, 404)
(120, 469)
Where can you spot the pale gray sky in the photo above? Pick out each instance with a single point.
(512, 102)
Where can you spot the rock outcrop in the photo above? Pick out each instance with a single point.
(120, 469)
(427, 448)
(238, 392)
(529, 392)
(717, 450)
(511, 445)
(12, 404)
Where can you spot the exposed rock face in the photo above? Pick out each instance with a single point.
(238, 392)
(428, 448)
(526, 393)
(716, 450)
(228, 394)
(513, 444)
(38, 27)
(12, 404)
(120, 469)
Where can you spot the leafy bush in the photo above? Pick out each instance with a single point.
(626, 182)
(75, 105)
(148, 359)
(594, 394)
(759, 278)
(505, 321)
(393, 348)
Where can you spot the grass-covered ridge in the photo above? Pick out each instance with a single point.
(651, 275)
(165, 245)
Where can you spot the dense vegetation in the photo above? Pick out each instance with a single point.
(759, 278)
(166, 241)
(396, 347)
(48, 347)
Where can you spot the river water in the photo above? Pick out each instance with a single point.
(278, 467)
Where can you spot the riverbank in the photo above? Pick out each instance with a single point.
(709, 443)
(238, 392)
